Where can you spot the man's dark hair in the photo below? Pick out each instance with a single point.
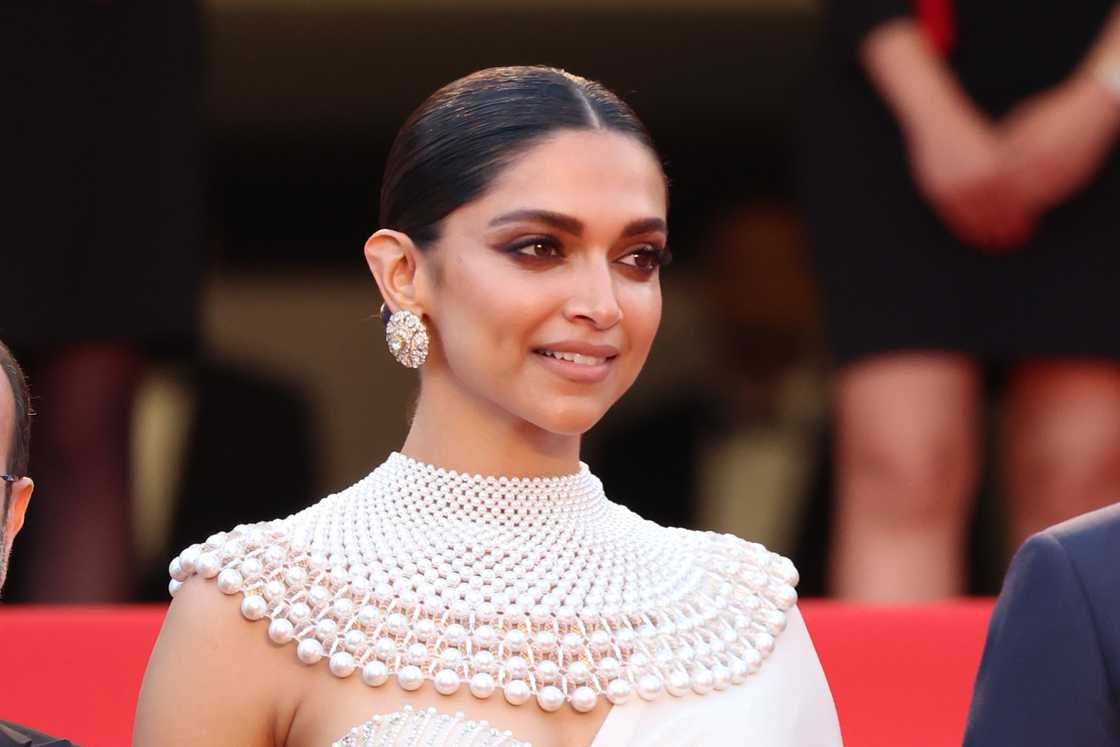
(19, 451)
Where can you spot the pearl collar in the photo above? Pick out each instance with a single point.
(541, 588)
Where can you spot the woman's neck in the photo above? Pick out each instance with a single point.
(454, 430)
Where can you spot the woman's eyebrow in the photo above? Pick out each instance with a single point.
(574, 226)
(645, 225)
(565, 223)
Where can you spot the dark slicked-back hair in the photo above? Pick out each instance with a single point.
(457, 142)
(19, 451)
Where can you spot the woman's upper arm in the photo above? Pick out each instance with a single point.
(206, 679)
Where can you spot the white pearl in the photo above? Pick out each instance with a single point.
(325, 629)
(485, 636)
(702, 681)
(175, 569)
(619, 691)
(425, 629)
(280, 630)
(482, 685)
(375, 673)
(253, 607)
(775, 621)
(410, 677)
(273, 590)
(721, 677)
(517, 692)
(417, 653)
(548, 671)
(208, 565)
(368, 616)
(739, 671)
(764, 642)
(783, 596)
(342, 664)
(309, 651)
(385, 648)
(173, 587)
(446, 682)
(515, 640)
(608, 667)
(550, 698)
(396, 624)
(584, 699)
(517, 668)
(578, 672)
(251, 567)
(188, 558)
(319, 595)
(649, 686)
(753, 659)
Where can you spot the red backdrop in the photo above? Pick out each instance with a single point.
(899, 675)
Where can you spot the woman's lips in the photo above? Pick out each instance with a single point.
(589, 365)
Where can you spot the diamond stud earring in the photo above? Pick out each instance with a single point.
(406, 337)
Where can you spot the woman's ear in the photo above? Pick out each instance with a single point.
(394, 261)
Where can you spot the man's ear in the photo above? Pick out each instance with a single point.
(395, 262)
(17, 508)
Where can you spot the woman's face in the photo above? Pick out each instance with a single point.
(547, 292)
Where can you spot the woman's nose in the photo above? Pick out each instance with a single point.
(594, 298)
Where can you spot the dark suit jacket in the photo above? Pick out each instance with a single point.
(14, 735)
(1050, 674)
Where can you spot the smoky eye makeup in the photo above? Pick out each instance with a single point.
(537, 247)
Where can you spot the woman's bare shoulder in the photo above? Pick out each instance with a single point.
(213, 676)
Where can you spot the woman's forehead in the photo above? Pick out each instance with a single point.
(591, 174)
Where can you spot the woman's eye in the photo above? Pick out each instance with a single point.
(539, 248)
(647, 258)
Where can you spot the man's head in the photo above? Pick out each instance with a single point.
(15, 445)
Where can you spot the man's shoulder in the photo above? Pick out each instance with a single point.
(1091, 540)
(15, 735)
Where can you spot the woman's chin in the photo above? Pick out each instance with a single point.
(572, 420)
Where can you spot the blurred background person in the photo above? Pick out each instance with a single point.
(961, 184)
(101, 258)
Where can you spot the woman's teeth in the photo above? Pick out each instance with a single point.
(583, 360)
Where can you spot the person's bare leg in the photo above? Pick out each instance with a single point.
(82, 548)
(906, 455)
(1061, 436)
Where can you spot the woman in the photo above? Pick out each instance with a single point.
(524, 212)
(961, 189)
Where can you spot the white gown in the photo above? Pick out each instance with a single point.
(540, 590)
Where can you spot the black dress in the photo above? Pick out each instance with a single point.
(892, 275)
(102, 230)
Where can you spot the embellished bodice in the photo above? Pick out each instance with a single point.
(427, 728)
(540, 589)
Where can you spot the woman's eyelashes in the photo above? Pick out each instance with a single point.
(538, 250)
(648, 258)
(536, 247)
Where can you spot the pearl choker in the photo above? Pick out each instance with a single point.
(538, 587)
